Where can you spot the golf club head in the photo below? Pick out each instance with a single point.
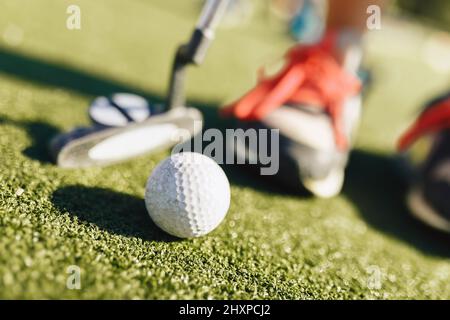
(101, 146)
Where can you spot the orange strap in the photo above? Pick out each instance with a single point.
(310, 76)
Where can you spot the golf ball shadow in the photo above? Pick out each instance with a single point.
(111, 211)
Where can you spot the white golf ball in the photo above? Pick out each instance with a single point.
(187, 195)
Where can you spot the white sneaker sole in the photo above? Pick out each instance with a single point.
(327, 187)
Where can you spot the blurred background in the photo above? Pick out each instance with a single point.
(434, 12)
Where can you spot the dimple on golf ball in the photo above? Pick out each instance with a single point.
(187, 195)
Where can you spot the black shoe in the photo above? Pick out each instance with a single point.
(426, 147)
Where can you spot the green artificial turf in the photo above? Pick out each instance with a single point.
(273, 244)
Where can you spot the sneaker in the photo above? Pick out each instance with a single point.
(315, 102)
(426, 150)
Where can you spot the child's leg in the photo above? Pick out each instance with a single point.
(349, 18)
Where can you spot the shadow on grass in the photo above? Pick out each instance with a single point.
(378, 191)
(111, 211)
(249, 177)
(40, 133)
(47, 73)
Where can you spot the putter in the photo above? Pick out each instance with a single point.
(126, 125)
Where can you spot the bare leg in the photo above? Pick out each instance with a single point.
(348, 17)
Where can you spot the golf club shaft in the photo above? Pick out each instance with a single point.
(194, 51)
(211, 14)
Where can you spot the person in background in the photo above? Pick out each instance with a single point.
(315, 102)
